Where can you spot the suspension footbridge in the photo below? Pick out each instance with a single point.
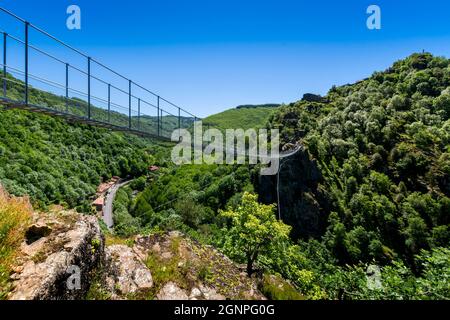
(80, 88)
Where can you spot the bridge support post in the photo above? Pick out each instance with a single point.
(67, 87)
(109, 103)
(139, 114)
(179, 124)
(27, 25)
(161, 126)
(89, 88)
(5, 36)
(129, 104)
(157, 117)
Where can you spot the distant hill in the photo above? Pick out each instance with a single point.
(244, 117)
(250, 106)
(79, 107)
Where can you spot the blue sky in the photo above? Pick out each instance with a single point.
(211, 55)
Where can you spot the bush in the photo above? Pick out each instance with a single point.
(15, 215)
(276, 288)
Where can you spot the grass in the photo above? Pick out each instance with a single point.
(205, 274)
(111, 239)
(165, 270)
(243, 118)
(15, 215)
(97, 289)
(276, 288)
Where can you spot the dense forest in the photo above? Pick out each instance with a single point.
(370, 190)
(56, 162)
(380, 153)
(382, 147)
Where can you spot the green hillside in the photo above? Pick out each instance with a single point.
(374, 185)
(54, 161)
(372, 188)
(75, 106)
(243, 117)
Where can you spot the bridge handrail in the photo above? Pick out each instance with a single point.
(160, 111)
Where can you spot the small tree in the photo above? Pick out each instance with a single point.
(254, 228)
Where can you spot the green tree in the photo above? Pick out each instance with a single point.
(254, 228)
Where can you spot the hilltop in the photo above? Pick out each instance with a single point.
(241, 117)
(373, 185)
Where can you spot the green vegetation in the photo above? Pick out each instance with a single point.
(371, 188)
(244, 117)
(382, 147)
(254, 229)
(55, 162)
(15, 215)
(186, 198)
(374, 182)
(276, 288)
(124, 224)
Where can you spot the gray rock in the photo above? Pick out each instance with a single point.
(210, 293)
(126, 271)
(195, 294)
(171, 291)
(49, 279)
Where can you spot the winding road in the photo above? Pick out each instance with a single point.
(109, 199)
(111, 194)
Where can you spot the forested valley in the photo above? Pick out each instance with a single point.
(370, 189)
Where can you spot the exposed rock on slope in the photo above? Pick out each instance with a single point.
(126, 273)
(184, 268)
(299, 185)
(171, 266)
(167, 266)
(55, 247)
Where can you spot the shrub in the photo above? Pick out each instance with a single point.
(15, 214)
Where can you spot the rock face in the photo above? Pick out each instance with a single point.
(193, 271)
(54, 254)
(64, 257)
(126, 274)
(305, 205)
(171, 291)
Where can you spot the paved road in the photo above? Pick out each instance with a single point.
(108, 207)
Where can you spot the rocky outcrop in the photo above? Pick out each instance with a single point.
(302, 199)
(63, 256)
(126, 274)
(194, 271)
(170, 291)
(58, 258)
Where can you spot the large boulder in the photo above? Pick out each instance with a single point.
(126, 274)
(58, 258)
(171, 291)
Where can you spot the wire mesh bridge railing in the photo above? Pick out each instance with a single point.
(77, 86)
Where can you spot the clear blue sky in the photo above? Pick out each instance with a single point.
(211, 55)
